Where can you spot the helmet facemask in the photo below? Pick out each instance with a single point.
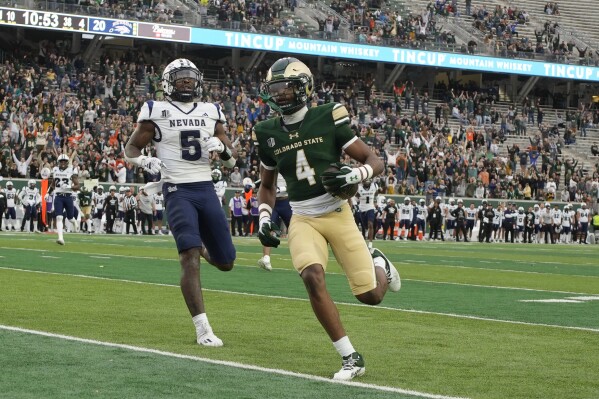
(177, 89)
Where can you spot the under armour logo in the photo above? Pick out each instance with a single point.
(353, 178)
(205, 114)
(166, 113)
(293, 136)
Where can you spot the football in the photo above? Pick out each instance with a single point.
(344, 192)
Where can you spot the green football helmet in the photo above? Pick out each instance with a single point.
(288, 86)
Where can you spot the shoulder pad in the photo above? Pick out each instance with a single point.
(340, 115)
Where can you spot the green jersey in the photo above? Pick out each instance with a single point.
(85, 198)
(303, 151)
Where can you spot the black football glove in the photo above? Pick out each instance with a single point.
(269, 234)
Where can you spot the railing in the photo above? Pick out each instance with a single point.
(256, 26)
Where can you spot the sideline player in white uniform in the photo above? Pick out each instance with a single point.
(184, 133)
(567, 216)
(366, 193)
(159, 206)
(64, 181)
(120, 217)
(405, 218)
(30, 199)
(556, 215)
(520, 224)
(582, 216)
(470, 220)
(450, 219)
(220, 186)
(421, 218)
(11, 206)
(99, 198)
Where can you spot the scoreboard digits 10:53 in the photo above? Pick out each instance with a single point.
(42, 19)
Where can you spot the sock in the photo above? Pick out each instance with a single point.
(200, 321)
(89, 225)
(59, 227)
(344, 346)
(369, 244)
(266, 258)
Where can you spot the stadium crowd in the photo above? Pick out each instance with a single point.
(54, 104)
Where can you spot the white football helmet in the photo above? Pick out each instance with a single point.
(31, 183)
(180, 69)
(45, 173)
(112, 188)
(9, 184)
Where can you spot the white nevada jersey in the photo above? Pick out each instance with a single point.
(159, 202)
(220, 187)
(180, 130)
(62, 179)
(11, 195)
(30, 196)
(367, 197)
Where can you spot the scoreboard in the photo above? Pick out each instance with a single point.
(94, 25)
(42, 19)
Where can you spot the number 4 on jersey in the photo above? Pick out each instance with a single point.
(303, 170)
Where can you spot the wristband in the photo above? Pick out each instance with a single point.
(229, 163)
(366, 172)
(226, 154)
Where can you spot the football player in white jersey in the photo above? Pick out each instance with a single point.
(99, 197)
(470, 220)
(567, 216)
(520, 218)
(64, 181)
(405, 218)
(537, 222)
(556, 216)
(220, 186)
(582, 218)
(30, 199)
(450, 219)
(366, 193)
(184, 132)
(11, 206)
(421, 218)
(159, 215)
(120, 216)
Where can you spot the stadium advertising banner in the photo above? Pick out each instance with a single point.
(391, 54)
(254, 41)
(164, 32)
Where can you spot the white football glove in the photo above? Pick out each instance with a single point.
(152, 165)
(352, 176)
(214, 144)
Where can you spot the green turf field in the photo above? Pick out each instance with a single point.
(103, 317)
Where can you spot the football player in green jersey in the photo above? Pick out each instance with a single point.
(301, 144)
(85, 202)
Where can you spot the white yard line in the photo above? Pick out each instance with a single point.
(227, 363)
(459, 316)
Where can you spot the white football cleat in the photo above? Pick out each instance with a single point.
(380, 260)
(60, 241)
(265, 264)
(352, 366)
(206, 337)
